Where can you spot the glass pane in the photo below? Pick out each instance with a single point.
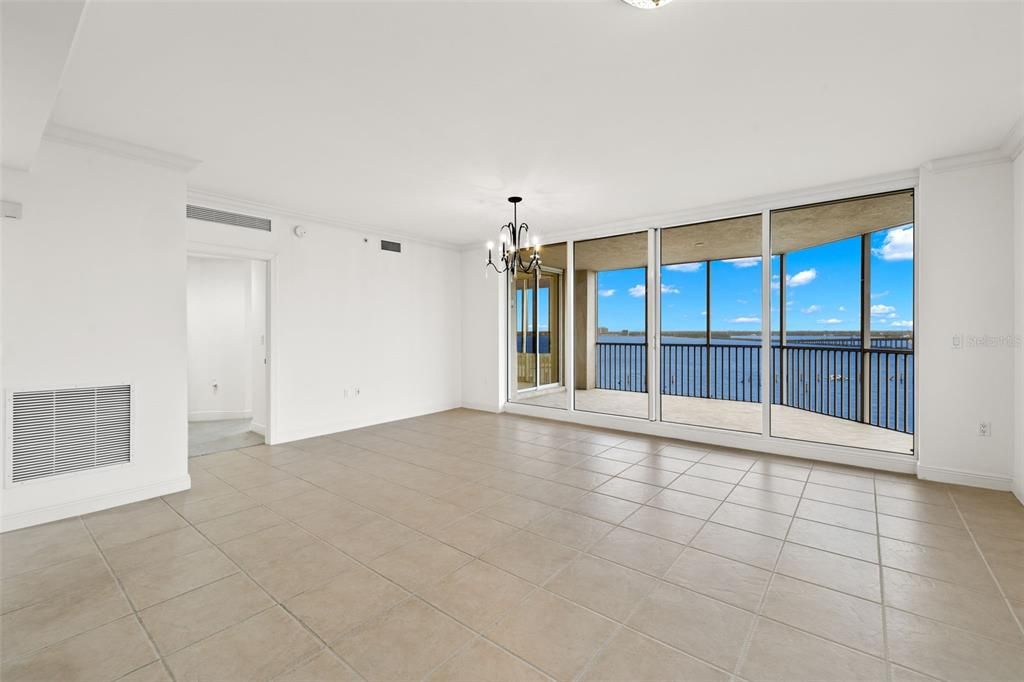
(526, 358)
(539, 312)
(610, 326)
(842, 321)
(711, 324)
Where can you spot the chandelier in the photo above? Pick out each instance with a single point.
(514, 240)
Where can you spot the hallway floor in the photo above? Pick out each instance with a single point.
(472, 546)
(207, 437)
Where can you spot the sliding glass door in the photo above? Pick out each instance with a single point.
(610, 325)
(711, 324)
(842, 309)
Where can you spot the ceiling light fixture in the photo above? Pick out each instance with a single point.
(647, 4)
(514, 240)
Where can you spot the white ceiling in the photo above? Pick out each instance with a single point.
(422, 117)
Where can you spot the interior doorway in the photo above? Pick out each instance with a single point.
(227, 353)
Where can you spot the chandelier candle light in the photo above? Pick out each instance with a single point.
(514, 239)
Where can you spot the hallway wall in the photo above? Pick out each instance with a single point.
(221, 334)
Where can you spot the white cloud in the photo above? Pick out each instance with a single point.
(638, 291)
(811, 309)
(606, 292)
(842, 308)
(801, 278)
(669, 289)
(745, 320)
(742, 301)
(880, 294)
(898, 244)
(905, 324)
(749, 262)
(685, 267)
(831, 320)
(879, 309)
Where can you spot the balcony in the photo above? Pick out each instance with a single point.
(858, 397)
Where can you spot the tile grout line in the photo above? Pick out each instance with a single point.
(881, 590)
(131, 603)
(988, 567)
(749, 639)
(412, 594)
(276, 602)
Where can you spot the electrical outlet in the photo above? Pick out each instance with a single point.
(984, 429)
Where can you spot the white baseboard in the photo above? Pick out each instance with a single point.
(495, 409)
(285, 435)
(258, 428)
(87, 505)
(211, 416)
(960, 477)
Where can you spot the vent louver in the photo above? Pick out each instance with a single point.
(213, 215)
(390, 246)
(57, 432)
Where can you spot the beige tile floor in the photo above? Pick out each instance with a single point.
(470, 546)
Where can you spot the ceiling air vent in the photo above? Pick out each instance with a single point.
(56, 432)
(390, 246)
(213, 215)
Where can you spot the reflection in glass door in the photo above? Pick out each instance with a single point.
(711, 324)
(610, 325)
(526, 326)
(538, 312)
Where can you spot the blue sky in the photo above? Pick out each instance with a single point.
(822, 290)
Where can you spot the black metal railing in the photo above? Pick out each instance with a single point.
(622, 366)
(722, 372)
(873, 386)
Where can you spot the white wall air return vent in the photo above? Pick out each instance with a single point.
(57, 432)
(213, 215)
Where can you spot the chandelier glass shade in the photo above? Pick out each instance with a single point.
(514, 240)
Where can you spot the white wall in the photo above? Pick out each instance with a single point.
(1018, 184)
(221, 333)
(483, 334)
(346, 316)
(966, 272)
(93, 293)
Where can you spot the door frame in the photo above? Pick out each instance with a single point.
(270, 369)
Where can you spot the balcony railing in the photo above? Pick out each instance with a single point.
(833, 380)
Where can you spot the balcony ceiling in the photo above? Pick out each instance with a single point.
(791, 230)
(420, 118)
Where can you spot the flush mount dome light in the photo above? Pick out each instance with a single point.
(647, 4)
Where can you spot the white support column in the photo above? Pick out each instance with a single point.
(653, 325)
(865, 326)
(766, 324)
(569, 327)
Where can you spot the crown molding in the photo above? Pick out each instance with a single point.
(972, 160)
(128, 150)
(1013, 145)
(215, 199)
(1007, 151)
